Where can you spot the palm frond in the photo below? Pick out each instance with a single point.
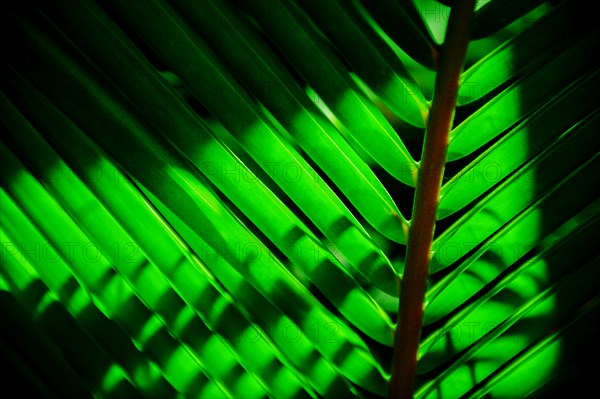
(211, 199)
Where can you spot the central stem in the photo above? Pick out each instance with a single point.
(431, 170)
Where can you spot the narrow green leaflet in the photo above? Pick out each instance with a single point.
(414, 10)
(102, 283)
(579, 332)
(383, 73)
(521, 98)
(579, 151)
(413, 37)
(522, 236)
(191, 279)
(258, 68)
(141, 282)
(108, 235)
(525, 281)
(323, 336)
(365, 375)
(226, 171)
(193, 61)
(327, 76)
(522, 143)
(547, 37)
(533, 321)
(87, 335)
(144, 374)
(181, 190)
(27, 329)
(486, 22)
(163, 174)
(67, 360)
(279, 160)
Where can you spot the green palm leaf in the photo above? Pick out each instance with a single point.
(211, 199)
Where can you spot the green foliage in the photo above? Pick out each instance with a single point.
(211, 199)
